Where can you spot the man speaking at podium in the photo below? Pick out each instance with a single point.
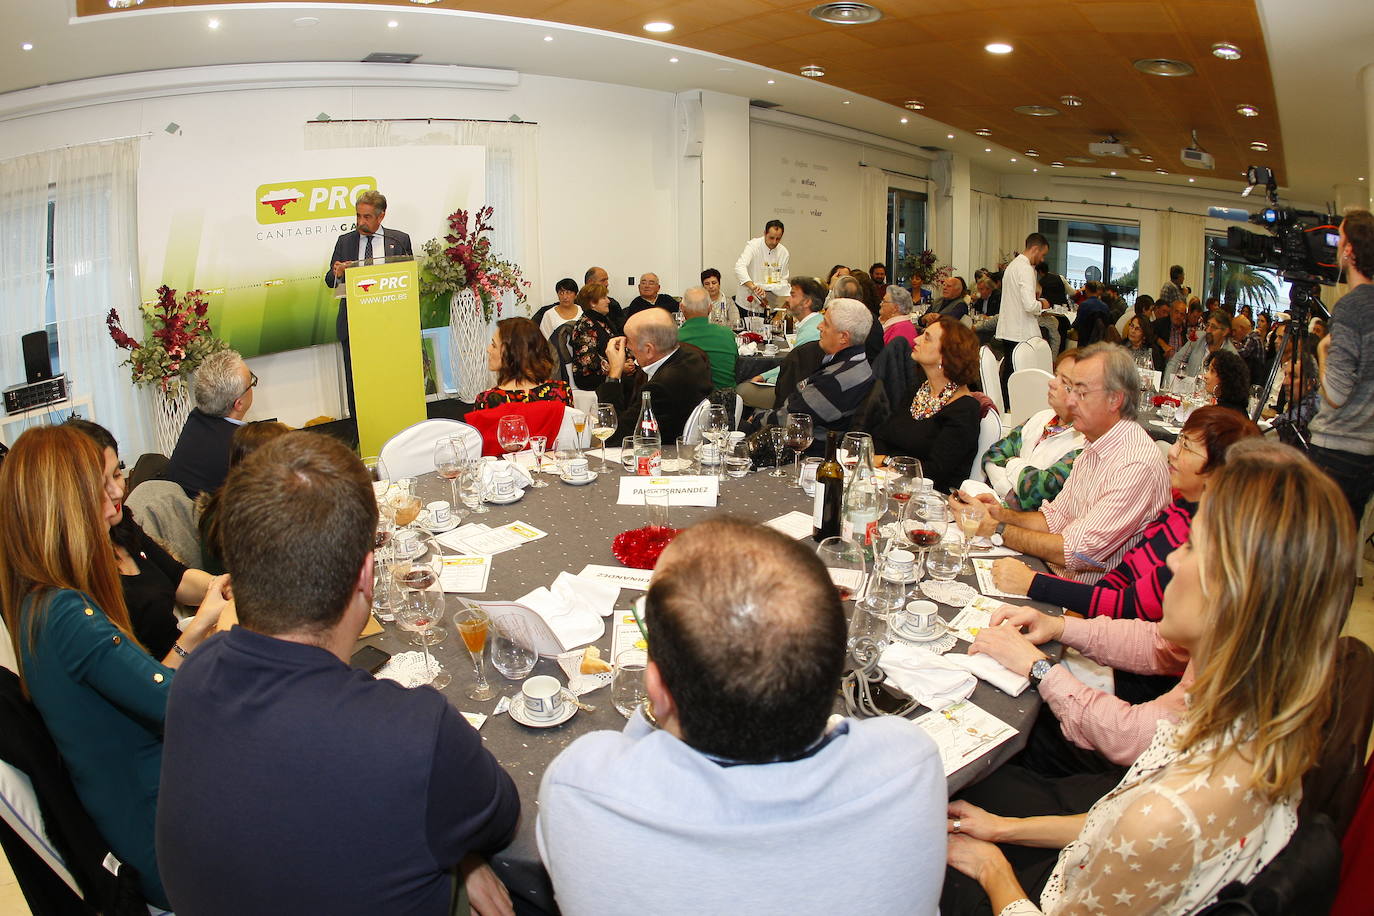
(361, 245)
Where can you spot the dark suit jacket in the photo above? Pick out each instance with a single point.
(346, 249)
(200, 461)
(639, 304)
(1162, 328)
(676, 389)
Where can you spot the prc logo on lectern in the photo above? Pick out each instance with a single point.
(367, 283)
(295, 201)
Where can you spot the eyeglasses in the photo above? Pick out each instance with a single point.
(251, 385)
(1081, 392)
(1192, 448)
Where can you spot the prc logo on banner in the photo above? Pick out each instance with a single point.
(294, 201)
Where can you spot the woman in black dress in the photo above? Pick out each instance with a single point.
(937, 422)
(590, 336)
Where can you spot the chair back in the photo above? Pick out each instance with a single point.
(874, 410)
(1301, 878)
(168, 515)
(1028, 389)
(989, 431)
(544, 418)
(561, 344)
(988, 369)
(1042, 355)
(691, 430)
(410, 452)
(1334, 785)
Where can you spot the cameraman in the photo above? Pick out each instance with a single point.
(1343, 429)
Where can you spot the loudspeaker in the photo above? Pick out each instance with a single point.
(691, 128)
(37, 363)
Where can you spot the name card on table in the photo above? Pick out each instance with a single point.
(683, 490)
(617, 575)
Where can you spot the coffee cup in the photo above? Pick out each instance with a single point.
(922, 618)
(770, 349)
(439, 513)
(406, 541)
(502, 482)
(576, 468)
(901, 565)
(543, 697)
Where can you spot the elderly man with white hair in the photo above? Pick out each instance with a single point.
(835, 391)
(895, 314)
(677, 376)
(223, 392)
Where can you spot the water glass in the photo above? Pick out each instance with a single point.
(944, 561)
(537, 446)
(627, 453)
(845, 562)
(474, 486)
(656, 502)
(807, 479)
(627, 680)
(510, 648)
(737, 460)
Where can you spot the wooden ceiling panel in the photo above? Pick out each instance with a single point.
(1149, 16)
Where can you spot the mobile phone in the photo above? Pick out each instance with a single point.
(370, 659)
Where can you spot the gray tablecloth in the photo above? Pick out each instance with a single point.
(581, 522)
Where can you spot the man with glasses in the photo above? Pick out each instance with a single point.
(1191, 358)
(223, 392)
(1119, 482)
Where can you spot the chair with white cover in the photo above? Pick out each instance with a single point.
(989, 431)
(691, 430)
(410, 452)
(1032, 354)
(1028, 389)
(989, 368)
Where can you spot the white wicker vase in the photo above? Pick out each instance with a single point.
(169, 416)
(468, 337)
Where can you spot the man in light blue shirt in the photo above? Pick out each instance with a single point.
(806, 302)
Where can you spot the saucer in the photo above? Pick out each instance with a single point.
(418, 551)
(517, 711)
(440, 529)
(575, 482)
(513, 498)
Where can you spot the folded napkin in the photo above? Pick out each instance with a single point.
(588, 595)
(748, 349)
(925, 676)
(572, 626)
(976, 488)
(992, 671)
(518, 474)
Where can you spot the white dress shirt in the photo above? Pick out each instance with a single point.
(768, 267)
(1019, 318)
(378, 245)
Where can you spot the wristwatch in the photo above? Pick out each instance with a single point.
(1039, 671)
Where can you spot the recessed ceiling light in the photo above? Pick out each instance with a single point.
(391, 24)
(26, 46)
(1013, 158)
(904, 120)
(1161, 171)
(1113, 174)
(1071, 101)
(672, 60)
(1057, 165)
(846, 12)
(845, 102)
(1226, 51)
(124, 4)
(987, 149)
(815, 71)
(548, 38)
(1259, 146)
(1035, 170)
(424, 2)
(998, 47)
(771, 82)
(1247, 111)
(306, 22)
(1033, 153)
(1147, 158)
(1163, 66)
(914, 105)
(1036, 111)
(1361, 178)
(658, 26)
(949, 136)
(1191, 180)
(213, 23)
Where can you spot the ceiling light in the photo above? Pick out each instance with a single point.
(915, 105)
(1163, 66)
(771, 82)
(1113, 174)
(845, 102)
(1013, 158)
(1033, 153)
(949, 136)
(1071, 101)
(1361, 178)
(392, 24)
(306, 22)
(424, 2)
(1247, 111)
(1035, 170)
(1161, 171)
(1147, 158)
(1036, 111)
(846, 12)
(1191, 180)
(548, 38)
(1226, 51)
(983, 132)
(1259, 146)
(213, 23)
(815, 71)
(658, 26)
(998, 47)
(124, 4)
(904, 120)
(1056, 165)
(987, 149)
(672, 60)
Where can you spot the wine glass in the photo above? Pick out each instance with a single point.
(799, 435)
(903, 480)
(473, 485)
(604, 421)
(924, 520)
(513, 433)
(419, 611)
(845, 561)
(716, 426)
(405, 505)
(778, 436)
(448, 461)
(850, 446)
(969, 517)
(537, 445)
(376, 469)
(472, 623)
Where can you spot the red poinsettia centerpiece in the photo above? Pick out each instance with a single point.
(463, 259)
(179, 338)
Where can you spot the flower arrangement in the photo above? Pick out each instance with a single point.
(179, 340)
(463, 260)
(752, 337)
(927, 264)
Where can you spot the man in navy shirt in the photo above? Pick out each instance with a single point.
(291, 782)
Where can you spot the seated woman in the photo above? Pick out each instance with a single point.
(152, 580)
(1228, 381)
(1214, 797)
(1029, 465)
(895, 314)
(937, 422)
(519, 355)
(1141, 343)
(246, 440)
(101, 695)
(590, 336)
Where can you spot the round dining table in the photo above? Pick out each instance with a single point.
(581, 522)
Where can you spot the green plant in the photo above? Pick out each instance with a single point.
(179, 339)
(463, 260)
(927, 264)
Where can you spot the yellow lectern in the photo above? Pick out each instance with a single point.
(384, 330)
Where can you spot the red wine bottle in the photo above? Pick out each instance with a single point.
(825, 512)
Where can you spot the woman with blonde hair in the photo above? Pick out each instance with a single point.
(1214, 797)
(101, 695)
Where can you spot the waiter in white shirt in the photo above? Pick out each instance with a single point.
(762, 271)
(1019, 318)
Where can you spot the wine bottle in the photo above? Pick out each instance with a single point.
(648, 444)
(825, 512)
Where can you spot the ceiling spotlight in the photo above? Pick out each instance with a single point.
(1163, 66)
(983, 132)
(424, 2)
(1259, 146)
(1035, 170)
(1191, 180)
(1056, 165)
(213, 23)
(124, 4)
(1036, 111)
(1033, 153)
(949, 136)
(846, 12)
(845, 102)
(987, 149)
(1247, 111)
(391, 24)
(1113, 174)
(26, 46)
(915, 105)
(998, 47)
(672, 60)
(1226, 51)
(1161, 171)
(904, 120)
(814, 71)
(548, 38)
(658, 27)
(1361, 178)
(771, 82)
(1071, 101)
(1147, 158)
(1013, 158)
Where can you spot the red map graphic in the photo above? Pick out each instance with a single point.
(366, 285)
(278, 200)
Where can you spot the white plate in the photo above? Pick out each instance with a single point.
(513, 498)
(574, 482)
(517, 711)
(418, 551)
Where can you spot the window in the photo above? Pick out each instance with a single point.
(49, 293)
(1242, 283)
(1106, 252)
(906, 231)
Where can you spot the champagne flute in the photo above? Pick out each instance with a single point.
(969, 517)
(603, 427)
(537, 445)
(448, 461)
(418, 612)
(472, 623)
(579, 421)
(513, 433)
(778, 436)
(799, 433)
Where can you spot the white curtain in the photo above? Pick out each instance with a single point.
(1182, 241)
(95, 269)
(985, 231)
(1018, 221)
(872, 213)
(23, 258)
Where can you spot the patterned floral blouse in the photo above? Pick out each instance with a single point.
(556, 390)
(590, 336)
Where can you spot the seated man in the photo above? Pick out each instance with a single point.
(1171, 330)
(1191, 358)
(1091, 310)
(741, 801)
(715, 340)
(616, 315)
(223, 391)
(677, 377)
(1119, 481)
(1029, 466)
(649, 297)
(805, 304)
(952, 302)
(292, 782)
(833, 393)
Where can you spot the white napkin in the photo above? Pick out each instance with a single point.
(571, 626)
(976, 488)
(925, 676)
(588, 595)
(992, 671)
(748, 349)
(518, 474)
